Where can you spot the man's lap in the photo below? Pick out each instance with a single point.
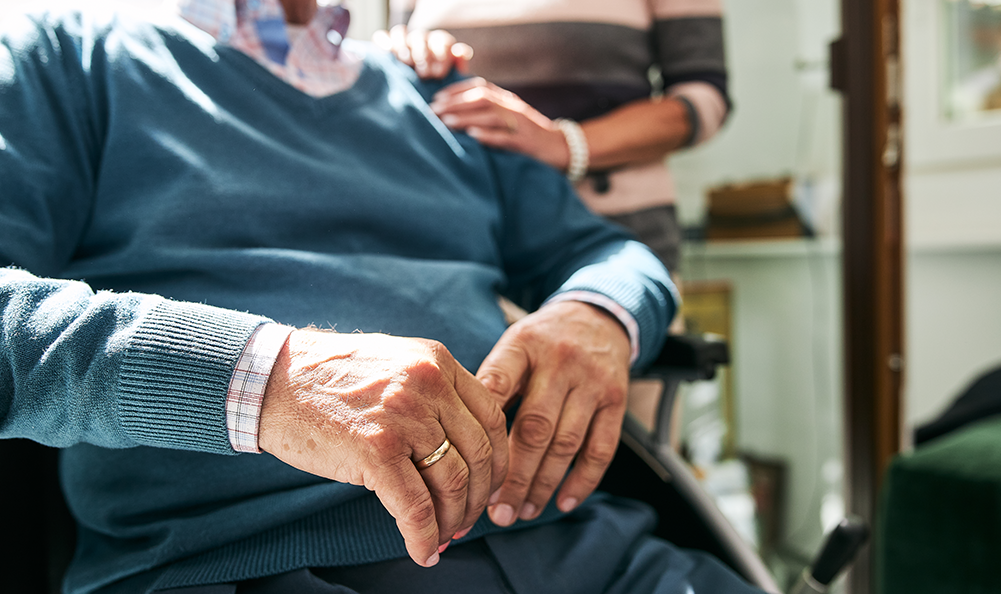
(607, 549)
(602, 548)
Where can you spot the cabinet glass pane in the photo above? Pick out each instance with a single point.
(971, 59)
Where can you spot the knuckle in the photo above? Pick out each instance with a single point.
(598, 455)
(616, 391)
(533, 430)
(422, 514)
(518, 482)
(425, 374)
(566, 444)
(402, 403)
(543, 487)
(494, 419)
(481, 455)
(385, 443)
(455, 483)
(438, 350)
(500, 383)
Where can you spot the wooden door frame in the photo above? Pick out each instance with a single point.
(866, 69)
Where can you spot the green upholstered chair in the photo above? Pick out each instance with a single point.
(939, 526)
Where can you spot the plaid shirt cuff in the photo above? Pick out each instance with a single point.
(246, 387)
(621, 314)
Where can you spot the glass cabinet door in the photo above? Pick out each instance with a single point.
(971, 59)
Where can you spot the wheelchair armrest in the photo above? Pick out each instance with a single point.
(690, 357)
(684, 357)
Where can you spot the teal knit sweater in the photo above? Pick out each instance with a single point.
(187, 186)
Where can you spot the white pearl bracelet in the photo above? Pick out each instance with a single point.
(577, 143)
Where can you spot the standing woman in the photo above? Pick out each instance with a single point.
(570, 84)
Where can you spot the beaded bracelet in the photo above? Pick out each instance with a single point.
(577, 143)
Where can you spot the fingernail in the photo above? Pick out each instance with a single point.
(461, 533)
(432, 560)
(449, 120)
(474, 132)
(527, 511)
(436, 106)
(502, 515)
(441, 549)
(567, 504)
(494, 498)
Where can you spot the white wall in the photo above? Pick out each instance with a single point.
(785, 121)
(367, 16)
(953, 325)
(953, 226)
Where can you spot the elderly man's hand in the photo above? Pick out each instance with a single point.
(363, 408)
(569, 362)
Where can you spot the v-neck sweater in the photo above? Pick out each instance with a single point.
(199, 196)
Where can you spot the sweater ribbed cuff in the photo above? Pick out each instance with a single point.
(176, 373)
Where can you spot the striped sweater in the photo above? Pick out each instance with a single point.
(580, 59)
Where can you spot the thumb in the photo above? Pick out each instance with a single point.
(504, 370)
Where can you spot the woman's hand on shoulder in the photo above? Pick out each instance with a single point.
(432, 54)
(500, 119)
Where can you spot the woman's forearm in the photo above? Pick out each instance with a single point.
(639, 131)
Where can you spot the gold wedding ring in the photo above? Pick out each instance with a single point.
(434, 456)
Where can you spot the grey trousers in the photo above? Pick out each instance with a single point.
(604, 548)
(658, 228)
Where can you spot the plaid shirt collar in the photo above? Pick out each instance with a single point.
(314, 62)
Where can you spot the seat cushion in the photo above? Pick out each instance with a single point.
(939, 527)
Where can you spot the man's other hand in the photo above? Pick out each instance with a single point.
(569, 363)
(364, 408)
